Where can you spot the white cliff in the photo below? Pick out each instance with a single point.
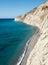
(38, 17)
(39, 55)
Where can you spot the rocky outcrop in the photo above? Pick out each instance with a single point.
(39, 55)
(38, 17)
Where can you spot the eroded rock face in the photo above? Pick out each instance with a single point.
(38, 17)
(39, 55)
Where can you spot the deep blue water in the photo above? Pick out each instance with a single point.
(13, 38)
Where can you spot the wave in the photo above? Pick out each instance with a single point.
(22, 56)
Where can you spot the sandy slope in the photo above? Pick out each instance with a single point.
(39, 55)
(38, 17)
(31, 44)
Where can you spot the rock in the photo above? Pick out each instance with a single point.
(38, 17)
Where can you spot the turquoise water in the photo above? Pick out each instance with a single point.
(13, 38)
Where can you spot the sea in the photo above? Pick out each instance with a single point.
(13, 40)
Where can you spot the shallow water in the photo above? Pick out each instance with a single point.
(13, 38)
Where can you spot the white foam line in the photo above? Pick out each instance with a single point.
(21, 58)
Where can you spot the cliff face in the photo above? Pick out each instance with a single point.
(38, 17)
(39, 55)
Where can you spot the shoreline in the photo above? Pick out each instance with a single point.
(37, 17)
(30, 44)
